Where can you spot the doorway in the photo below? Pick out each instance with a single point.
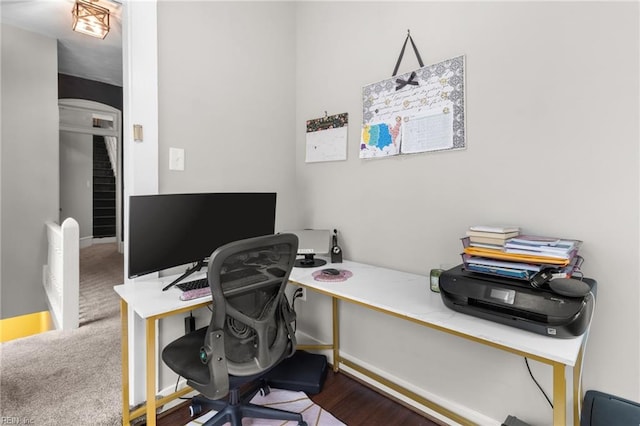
(91, 169)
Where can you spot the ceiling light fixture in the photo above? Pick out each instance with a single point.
(90, 19)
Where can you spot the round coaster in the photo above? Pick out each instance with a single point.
(342, 276)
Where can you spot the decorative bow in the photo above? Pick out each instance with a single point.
(401, 83)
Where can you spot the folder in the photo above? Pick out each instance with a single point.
(515, 257)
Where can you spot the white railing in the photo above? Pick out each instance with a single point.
(61, 274)
(112, 149)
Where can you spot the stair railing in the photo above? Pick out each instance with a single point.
(112, 149)
(61, 274)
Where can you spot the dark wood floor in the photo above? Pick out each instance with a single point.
(346, 399)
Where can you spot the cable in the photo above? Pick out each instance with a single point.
(176, 389)
(526, 361)
(296, 294)
(584, 350)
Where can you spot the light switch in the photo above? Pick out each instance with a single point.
(137, 132)
(176, 159)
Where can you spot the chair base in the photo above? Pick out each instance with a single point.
(238, 407)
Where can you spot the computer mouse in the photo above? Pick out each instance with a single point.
(569, 287)
(330, 271)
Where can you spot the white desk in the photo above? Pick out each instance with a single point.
(369, 286)
(412, 300)
(150, 303)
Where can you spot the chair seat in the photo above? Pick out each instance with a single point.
(182, 356)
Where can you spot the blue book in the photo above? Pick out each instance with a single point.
(503, 272)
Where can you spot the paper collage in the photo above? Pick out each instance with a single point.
(419, 111)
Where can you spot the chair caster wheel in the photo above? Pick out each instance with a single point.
(265, 390)
(195, 409)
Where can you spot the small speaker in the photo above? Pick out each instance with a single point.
(569, 287)
(336, 251)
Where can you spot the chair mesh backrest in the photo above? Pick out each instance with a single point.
(247, 280)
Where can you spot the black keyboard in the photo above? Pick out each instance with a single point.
(235, 279)
(193, 285)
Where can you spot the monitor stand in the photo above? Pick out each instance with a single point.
(309, 261)
(201, 264)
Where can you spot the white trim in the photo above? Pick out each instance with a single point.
(83, 106)
(140, 172)
(182, 383)
(86, 242)
(61, 274)
(463, 411)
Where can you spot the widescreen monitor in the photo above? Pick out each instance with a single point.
(170, 230)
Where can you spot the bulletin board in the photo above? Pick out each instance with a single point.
(419, 111)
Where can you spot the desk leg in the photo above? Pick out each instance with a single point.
(559, 395)
(151, 372)
(124, 362)
(577, 388)
(336, 336)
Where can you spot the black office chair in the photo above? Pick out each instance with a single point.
(250, 330)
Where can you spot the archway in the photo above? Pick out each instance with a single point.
(90, 188)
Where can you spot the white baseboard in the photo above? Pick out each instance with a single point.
(104, 240)
(89, 241)
(463, 411)
(86, 242)
(182, 383)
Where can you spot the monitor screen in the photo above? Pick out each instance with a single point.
(170, 230)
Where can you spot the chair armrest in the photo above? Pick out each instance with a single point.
(289, 316)
(214, 357)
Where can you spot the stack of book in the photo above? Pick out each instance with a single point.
(491, 236)
(505, 252)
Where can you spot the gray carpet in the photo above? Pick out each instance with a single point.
(71, 377)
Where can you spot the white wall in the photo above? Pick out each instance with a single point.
(226, 78)
(76, 180)
(552, 135)
(227, 97)
(29, 155)
(552, 146)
